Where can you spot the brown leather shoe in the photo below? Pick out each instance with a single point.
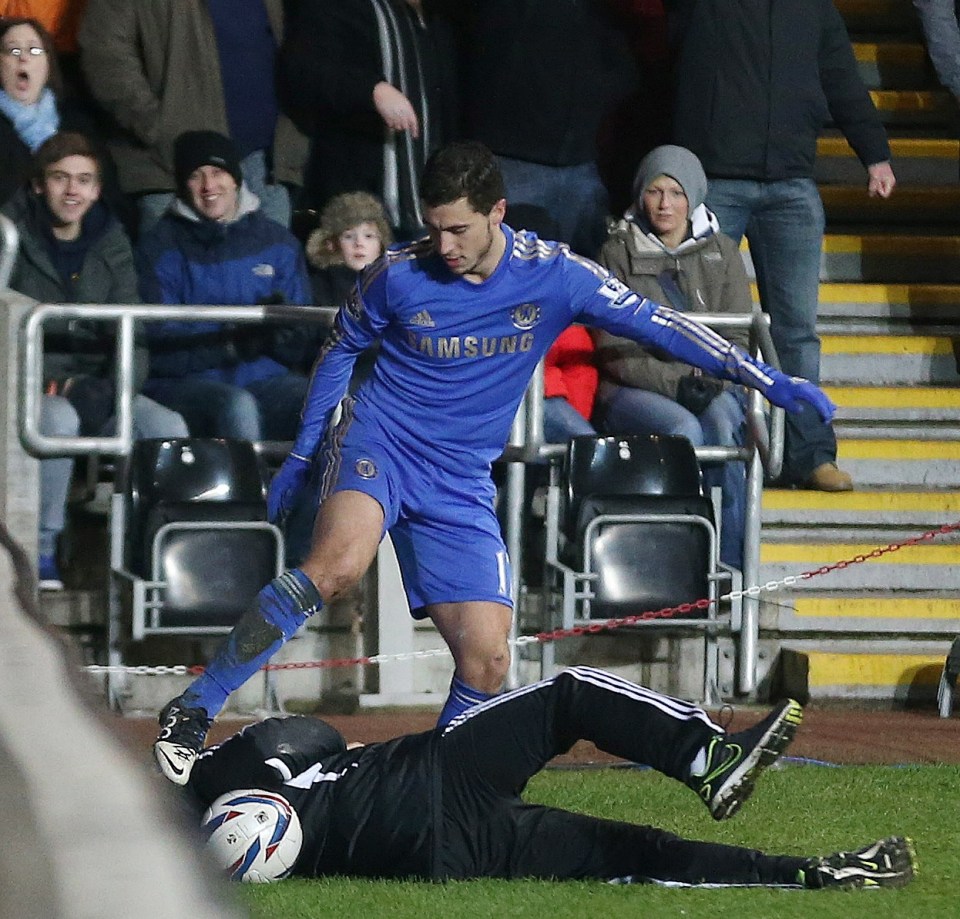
(827, 477)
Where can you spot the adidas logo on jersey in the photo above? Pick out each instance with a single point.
(263, 270)
(423, 319)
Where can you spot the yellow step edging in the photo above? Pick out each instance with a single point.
(864, 501)
(900, 100)
(830, 669)
(886, 344)
(861, 448)
(925, 247)
(882, 608)
(892, 52)
(894, 396)
(822, 553)
(900, 147)
(915, 294)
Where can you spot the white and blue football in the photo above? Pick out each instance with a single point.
(252, 835)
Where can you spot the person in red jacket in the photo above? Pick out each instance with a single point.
(569, 386)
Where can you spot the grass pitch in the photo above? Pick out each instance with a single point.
(796, 810)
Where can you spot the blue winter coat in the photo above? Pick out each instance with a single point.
(251, 260)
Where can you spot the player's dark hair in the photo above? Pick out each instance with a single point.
(60, 146)
(464, 169)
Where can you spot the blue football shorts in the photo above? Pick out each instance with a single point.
(444, 529)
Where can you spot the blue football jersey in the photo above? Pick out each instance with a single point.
(456, 357)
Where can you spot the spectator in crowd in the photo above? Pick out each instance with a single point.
(353, 233)
(542, 121)
(940, 20)
(215, 246)
(73, 250)
(462, 318)
(61, 18)
(372, 82)
(162, 67)
(29, 112)
(641, 120)
(756, 81)
(448, 805)
(569, 386)
(668, 247)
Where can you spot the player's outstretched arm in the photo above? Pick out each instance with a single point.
(700, 346)
(623, 312)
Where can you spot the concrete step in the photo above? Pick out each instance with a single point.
(927, 566)
(895, 16)
(895, 463)
(911, 205)
(917, 161)
(875, 613)
(909, 304)
(929, 405)
(925, 109)
(888, 359)
(889, 671)
(913, 511)
(883, 258)
(890, 258)
(892, 64)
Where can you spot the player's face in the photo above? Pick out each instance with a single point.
(469, 243)
(24, 67)
(214, 193)
(360, 245)
(665, 204)
(70, 187)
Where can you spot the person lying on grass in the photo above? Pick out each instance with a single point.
(446, 804)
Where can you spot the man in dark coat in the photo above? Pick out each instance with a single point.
(756, 82)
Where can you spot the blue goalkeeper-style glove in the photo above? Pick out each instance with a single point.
(289, 481)
(789, 392)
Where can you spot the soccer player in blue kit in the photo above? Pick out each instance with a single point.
(462, 318)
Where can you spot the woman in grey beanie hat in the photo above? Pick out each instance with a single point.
(669, 248)
(680, 164)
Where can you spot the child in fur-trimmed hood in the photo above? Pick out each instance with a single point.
(353, 233)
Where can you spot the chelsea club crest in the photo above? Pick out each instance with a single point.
(366, 468)
(525, 316)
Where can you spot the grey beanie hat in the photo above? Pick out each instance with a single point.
(681, 165)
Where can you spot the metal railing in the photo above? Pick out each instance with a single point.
(9, 241)
(763, 453)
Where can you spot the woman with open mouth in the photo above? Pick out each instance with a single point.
(29, 107)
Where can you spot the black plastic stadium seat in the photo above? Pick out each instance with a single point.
(629, 504)
(195, 522)
(176, 479)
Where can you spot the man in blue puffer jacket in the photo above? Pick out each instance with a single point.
(215, 246)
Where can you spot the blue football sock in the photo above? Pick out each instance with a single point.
(460, 699)
(281, 608)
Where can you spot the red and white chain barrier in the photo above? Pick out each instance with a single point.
(604, 625)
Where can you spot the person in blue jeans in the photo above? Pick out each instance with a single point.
(215, 246)
(72, 249)
(755, 85)
(668, 247)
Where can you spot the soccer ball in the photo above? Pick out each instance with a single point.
(253, 835)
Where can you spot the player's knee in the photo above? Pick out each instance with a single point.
(486, 669)
(333, 578)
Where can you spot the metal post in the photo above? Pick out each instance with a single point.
(8, 249)
(515, 491)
